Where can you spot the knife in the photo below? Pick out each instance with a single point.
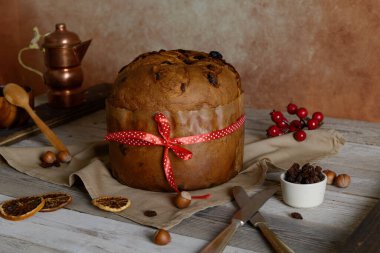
(238, 220)
(258, 221)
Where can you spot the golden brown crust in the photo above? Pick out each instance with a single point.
(111, 204)
(21, 208)
(175, 80)
(55, 201)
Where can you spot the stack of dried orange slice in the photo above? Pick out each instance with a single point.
(25, 207)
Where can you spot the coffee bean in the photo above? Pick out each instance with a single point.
(296, 215)
(150, 213)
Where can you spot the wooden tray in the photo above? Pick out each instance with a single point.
(95, 100)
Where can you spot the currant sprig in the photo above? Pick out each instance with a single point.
(296, 126)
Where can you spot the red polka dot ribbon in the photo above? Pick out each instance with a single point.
(139, 138)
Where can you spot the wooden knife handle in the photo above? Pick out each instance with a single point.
(221, 240)
(278, 245)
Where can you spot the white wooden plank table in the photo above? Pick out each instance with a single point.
(84, 228)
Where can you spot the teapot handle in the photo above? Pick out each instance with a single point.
(32, 45)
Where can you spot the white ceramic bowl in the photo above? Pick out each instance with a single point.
(303, 195)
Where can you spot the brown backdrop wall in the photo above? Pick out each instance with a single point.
(324, 55)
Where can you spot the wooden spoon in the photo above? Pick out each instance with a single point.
(17, 96)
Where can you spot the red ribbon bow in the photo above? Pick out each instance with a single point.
(139, 138)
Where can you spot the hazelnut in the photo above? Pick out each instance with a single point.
(162, 237)
(343, 180)
(64, 156)
(183, 199)
(48, 157)
(330, 176)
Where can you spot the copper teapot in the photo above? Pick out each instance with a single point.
(63, 54)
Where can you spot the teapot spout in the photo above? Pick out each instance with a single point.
(81, 49)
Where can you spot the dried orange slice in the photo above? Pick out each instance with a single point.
(55, 201)
(22, 208)
(112, 204)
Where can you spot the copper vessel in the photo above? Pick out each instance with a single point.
(63, 54)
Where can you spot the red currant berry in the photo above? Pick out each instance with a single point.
(277, 116)
(293, 128)
(300, 135)
(282, 124)
(292, 108)
(273, 131)
(296, 123)
(312, 124)
(302, 113)
(318, 116)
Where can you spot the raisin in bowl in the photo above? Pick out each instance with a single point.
(303, 187)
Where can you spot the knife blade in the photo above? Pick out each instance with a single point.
(258, 221)
(239, 219)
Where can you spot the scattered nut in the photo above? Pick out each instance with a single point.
(162, 237)
(64, 156)
(330, 176)
(183, 200)
(48, 157)
(342, 181)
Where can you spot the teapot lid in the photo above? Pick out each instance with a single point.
(61, 37)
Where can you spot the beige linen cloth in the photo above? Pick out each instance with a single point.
(89, 164)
